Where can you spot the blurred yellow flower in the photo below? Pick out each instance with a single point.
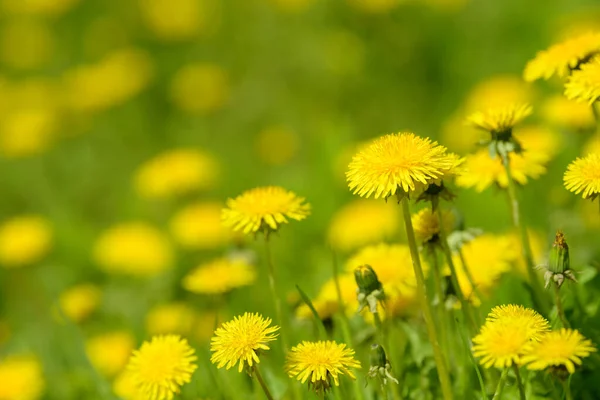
(539, 249)
(24, 240)
(326, 301)
(134, 248)
(264, 208)
(583, 85)
(583, 175)
(291, 5)
(22, 378)
(277, 145)
(79, 302)
(498, 91)
(198, 226)
(362, 222)
(110, 351)
(500, 119)
(560, 59)
(562, 112)
(219, 276)
(170, 318)
(538, 142)
(175, 173)
(117, 78)
(125, 387)
(427, 224)
(25, 43)
(42, 7)
(592, 145)
(200, 88)
(161, 366)
(374, 6)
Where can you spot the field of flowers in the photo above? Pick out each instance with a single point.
(299, 199)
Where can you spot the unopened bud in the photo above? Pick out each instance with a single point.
(380, 366)
(366, 279)
(559, 255)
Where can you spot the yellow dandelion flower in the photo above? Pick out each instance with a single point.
(528, 318)
(264, 208)
(397, 162)
(198, 226)
(170, 318)
(583, 175)
(176, 172)
(559, 349)
(538, 142)
(563, 57)
(219, 276)
(109, 352)
(161, 366)
(363, 222)
(26, 43)
(277, 145)
(584, 84)
(125, 387)
(134, 248)
(427, 224)
(200, 88)
(319, 362)
(539, 249)
(24, 240)
(565, 113)
(78, 302)
(22, 378)
(501, 345)
(501, 119)
(241, 340)
(42, 7)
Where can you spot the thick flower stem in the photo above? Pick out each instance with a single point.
(559, 307)
(260, 380)
(567, 390)
(501, 383)
(274, 294)
(527, 253)
(519, 383)
(443, 375)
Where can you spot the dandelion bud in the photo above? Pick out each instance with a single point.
(559, 255)
(369, 290)
(380, 366)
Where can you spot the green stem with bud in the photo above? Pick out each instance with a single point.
(443, 375)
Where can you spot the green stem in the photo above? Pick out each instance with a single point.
(527, 253)
(519, 382)
(471, 280)
(567, 389)
(260, 380)
(441, 308)
(384, 392)
(501, 383)
(443, 374)
(274, 294)
(559, 306)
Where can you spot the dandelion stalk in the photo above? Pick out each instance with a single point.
(471, 280)
(559, 307)
(260, 380)
(519, 382)
(442, 315)
(274, 295)
(567, 389)
(443, 374)
(501, 383)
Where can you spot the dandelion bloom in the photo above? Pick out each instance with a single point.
(80, 301)
(22, 378)
(397, 162)
(198, 226)
(219, 276)
(500, 119)
(263, 208)
(583, 175)
(564, 348)
(519, 315)
(24, 240)
(109, 352)
(563, 57)
(427, 224)
(584, 84)
(320, 361)
(161, 366)
(241, 340)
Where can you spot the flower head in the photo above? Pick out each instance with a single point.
(219, 276)
(501, 119)
(263, 208)
(198, 226)
(22, 378)
(562, 112)
(319, 362)
(583, 175)
(563, 57)
(109, 352)
(535, 324)
(584, 84)
(241, 340)
(558, 349)
(24, 240)
(426, 224)
(161, 366)
(78, 302)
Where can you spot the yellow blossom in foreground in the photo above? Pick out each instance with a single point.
(319, 362)
(584, 84)
(110, 351)
(277, 145)
(583, 175)
(397, 163)
(562, 112)
(200, 88)
(22, 378)
(241, 340)
(25, 43)
(24, 240)
(363, 222)
(559, 349)
(42, 7)
(112, 81)
(263, 208)
(519, 315)
(170, 318)
(219, 276)
(500, 119)
(78, 302)
(186, 18)
(176, 172)
(427, 224)
(563, 57)
(161, 366)
(134, 248)
(198, 226)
